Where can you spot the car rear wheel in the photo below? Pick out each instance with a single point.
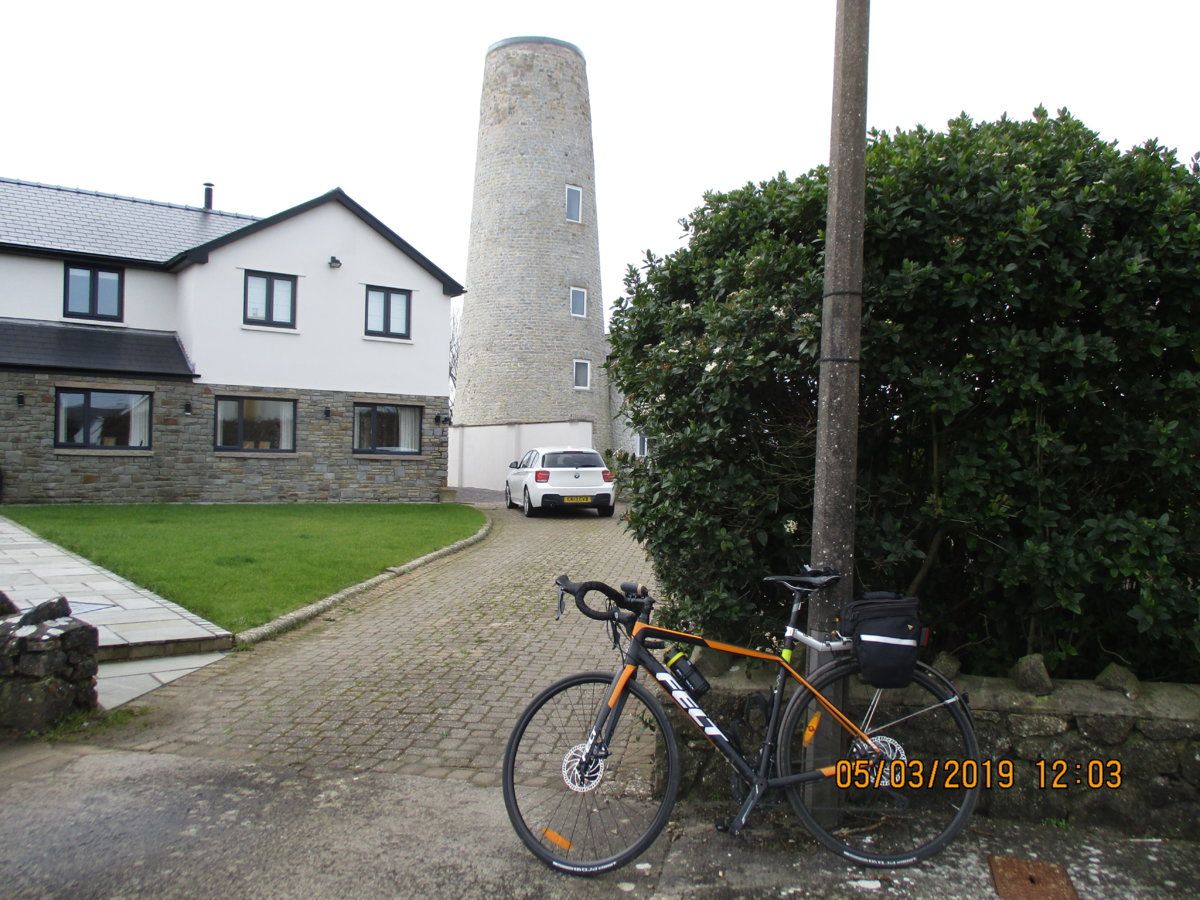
(526, 506)
(605, 511)
(508, 497)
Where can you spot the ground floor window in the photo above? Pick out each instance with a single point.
(253, 423)
(387, 428)
(102, 419)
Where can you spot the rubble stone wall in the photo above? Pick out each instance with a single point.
(47, 671)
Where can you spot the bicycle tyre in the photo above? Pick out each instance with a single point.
(603, 823)
(902, 820)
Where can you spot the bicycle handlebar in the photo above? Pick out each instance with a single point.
(579, 591)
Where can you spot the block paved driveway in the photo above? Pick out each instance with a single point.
(424, 674)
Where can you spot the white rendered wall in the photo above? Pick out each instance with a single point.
(32, 288)
(328, 349)
(480, 454)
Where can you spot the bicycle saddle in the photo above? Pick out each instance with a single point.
(810, 580)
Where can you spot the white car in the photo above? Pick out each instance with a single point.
(549, 477)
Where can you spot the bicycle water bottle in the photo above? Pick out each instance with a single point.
(686, 673)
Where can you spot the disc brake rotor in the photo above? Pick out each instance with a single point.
(580, 775)
(889, 750)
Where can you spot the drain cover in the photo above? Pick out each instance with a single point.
(1028, 879)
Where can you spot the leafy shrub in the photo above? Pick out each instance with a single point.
(1030, 395)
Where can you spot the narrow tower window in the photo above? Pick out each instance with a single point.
(583, 375)
(579, 302)
(574, 203)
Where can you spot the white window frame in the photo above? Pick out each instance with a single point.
(583, 291)
(579, 191)
(575, 374)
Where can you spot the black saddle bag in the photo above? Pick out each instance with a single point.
(887, 633)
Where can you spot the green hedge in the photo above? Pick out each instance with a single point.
(1030, 410)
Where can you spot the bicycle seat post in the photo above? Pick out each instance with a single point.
(789, 634)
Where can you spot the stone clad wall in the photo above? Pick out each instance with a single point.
(183, 465)
(518, 338)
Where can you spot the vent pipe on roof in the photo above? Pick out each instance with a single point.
(208, 195)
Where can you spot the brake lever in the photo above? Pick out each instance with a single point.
(562, 603)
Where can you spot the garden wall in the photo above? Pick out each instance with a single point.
(1153, 729)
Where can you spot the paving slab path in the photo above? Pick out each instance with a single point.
(423, 674)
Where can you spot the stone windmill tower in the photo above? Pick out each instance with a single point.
(532, 345)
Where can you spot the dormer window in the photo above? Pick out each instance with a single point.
(574, 203)
(93, 292)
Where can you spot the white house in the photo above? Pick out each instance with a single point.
(151, 351)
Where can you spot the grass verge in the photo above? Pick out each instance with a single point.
(240, 566)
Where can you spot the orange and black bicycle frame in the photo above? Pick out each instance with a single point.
(758, 779)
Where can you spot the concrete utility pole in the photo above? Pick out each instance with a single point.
(841, 315)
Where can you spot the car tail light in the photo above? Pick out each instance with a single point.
(607, 475)
(541, 476)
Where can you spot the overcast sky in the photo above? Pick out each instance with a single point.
(279, 102)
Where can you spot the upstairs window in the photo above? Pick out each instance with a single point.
(384, 428)
(91, 292)
(270, 300)
(252, 423)
(102, 420)
(578, 302)
(574, 203)
(583, 375)
(389, 312)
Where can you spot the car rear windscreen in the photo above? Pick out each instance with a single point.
(588, 460)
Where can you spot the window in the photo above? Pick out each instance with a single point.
(251, 423)
(583, 374)
(578, 302)
(388, 312)
(573, 459)
(102, 420)
(270, 300)
(643, 445)
(93, 293)
(385, 428)
(574, 203)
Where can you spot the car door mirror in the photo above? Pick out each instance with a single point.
(514, 465)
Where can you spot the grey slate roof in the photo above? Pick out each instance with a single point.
(59, 346)
(44, 218)
(86, 223)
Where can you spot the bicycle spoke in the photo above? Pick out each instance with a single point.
(576, 811)
(875, 820)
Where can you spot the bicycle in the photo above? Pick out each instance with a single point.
(592, 768)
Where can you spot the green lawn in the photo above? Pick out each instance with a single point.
(241, 566)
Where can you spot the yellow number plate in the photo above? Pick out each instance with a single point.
(577, 499)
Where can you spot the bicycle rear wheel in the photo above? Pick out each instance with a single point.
(581, 815)
(921, 780)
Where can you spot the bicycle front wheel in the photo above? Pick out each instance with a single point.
(588, 811)
(899, 801)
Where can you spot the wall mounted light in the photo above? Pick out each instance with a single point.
(20, 399)
(328, 412)
(334, 262)
(187, 408)
(441, 420)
